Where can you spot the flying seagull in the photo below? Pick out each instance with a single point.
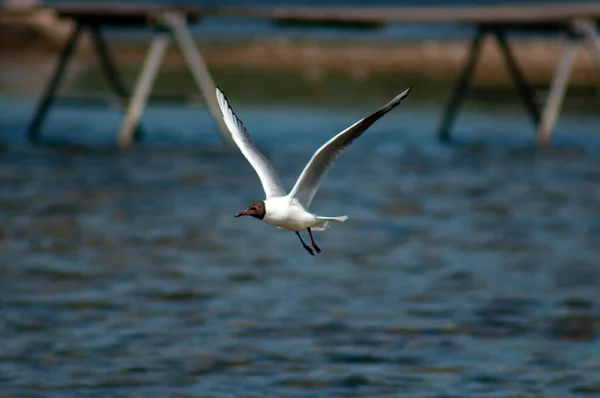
(290, 211)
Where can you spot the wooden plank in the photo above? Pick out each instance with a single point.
(118, 14)
(518, 15)
(514, 13)
(349, 23)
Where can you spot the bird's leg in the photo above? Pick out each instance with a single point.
(308, 249)
(312, 240)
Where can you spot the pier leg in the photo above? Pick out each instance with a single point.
(50, 91)
(143, 87)
(589, 31)
(109, 67)
(461, 87)
(557, 92)
(198, 68)
(525, 91)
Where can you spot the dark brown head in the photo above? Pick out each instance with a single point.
(256, 210)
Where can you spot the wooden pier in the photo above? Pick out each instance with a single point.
(576, 22)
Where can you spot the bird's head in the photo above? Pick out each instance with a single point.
(256, 210)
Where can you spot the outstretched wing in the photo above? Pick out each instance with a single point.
(309, 180)
(268, 176)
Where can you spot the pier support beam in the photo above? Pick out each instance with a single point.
(108, 67)
(169, 25)
(111, 72)
(588, 29)
(545, 116)
(583, 31)
(143, 88)
(523, 88)
(461, 86)
(173, 25)
(198, 68)
(557, 92)
(33, 131)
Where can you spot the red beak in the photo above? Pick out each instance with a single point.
(241, 213)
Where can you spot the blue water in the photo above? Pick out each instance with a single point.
(465, 270)
(179, 125)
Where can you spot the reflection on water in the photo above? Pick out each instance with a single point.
(467, 270)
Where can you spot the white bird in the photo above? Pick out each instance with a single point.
(290, 211)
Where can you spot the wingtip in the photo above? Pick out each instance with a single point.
(405, 93)
(221, 101)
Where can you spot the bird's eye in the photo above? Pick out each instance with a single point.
(254, 208)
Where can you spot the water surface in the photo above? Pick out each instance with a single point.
(464, 270)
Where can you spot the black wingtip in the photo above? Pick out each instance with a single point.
(394, 102)
(405, 92)
(219, 91)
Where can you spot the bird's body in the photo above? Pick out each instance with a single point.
(287, 213)
(290, 211)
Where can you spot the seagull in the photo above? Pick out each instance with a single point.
(290, 211)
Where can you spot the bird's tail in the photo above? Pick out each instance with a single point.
(326, 222)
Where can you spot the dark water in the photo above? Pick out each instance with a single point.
(464, 270)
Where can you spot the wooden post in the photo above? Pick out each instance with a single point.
(588, 29)
(143, 87)
(198, 68)
(107, 63)
(523, 87)
(50, 92)
(109, 68)
(461, 86)
(557, 92)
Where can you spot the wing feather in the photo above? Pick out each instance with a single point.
(268, 176)
(307, 184)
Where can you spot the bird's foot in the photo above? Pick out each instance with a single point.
(312, 241)
(317, 249)
(308, 249)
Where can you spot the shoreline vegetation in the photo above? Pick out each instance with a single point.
(435, 63)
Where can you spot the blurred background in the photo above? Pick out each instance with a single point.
(465, 269)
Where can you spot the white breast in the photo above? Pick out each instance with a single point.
(287, 213)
